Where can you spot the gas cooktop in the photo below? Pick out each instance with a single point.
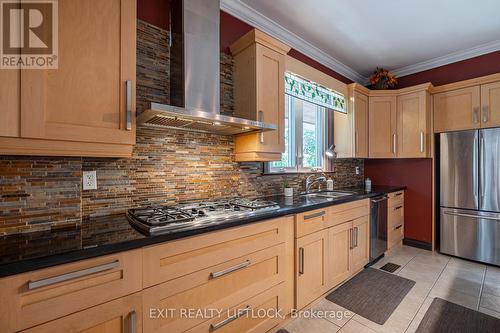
(176, 218)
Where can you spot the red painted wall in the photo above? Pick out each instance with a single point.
(416, 174)
(457, 71)
(155, 12)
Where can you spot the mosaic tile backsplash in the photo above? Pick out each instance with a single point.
(39, 193)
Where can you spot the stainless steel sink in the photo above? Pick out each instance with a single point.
(329, 194)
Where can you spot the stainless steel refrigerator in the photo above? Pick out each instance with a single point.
(470, 194)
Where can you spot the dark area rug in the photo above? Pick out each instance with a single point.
(372, 294)
(443, 317)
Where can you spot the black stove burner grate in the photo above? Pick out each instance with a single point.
(160, 215)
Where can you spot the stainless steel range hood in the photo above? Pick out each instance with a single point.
(194, 75)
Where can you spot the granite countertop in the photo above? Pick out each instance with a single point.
(110, 234)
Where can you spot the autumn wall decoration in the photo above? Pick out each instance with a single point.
(382, 79)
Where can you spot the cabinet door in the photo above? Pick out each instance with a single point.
(457, 110)
(271, 98)
(339, 253)
(490, 105)
(86, 99)
(10, 102)
(382, 122)
(360, 125)
(311, 265)
(118, 316)
(412, 129)
(361, 238)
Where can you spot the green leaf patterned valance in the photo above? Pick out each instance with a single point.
(312, 92)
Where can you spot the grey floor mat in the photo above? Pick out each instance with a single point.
(372, 294)
(443, 316)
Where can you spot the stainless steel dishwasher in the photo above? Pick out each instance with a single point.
(378, 228)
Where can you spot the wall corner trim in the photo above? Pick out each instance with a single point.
(448, 58)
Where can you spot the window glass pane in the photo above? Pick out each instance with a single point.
(311, 135)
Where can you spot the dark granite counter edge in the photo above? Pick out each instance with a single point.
(108, 249)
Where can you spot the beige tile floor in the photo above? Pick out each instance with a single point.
(466, 283)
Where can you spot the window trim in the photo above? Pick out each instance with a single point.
(297, 121)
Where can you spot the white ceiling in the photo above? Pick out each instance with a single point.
(401, 35)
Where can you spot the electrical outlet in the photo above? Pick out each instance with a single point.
(89, 180)
(356, 170)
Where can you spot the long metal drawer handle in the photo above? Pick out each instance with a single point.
(238, 314)
(398, 207)
(394, 149)
(72, 275)
(475, 115)
(231, 269)
(355, 231)
(474, 216)
(133, 321)
(301, 260)
(128, 87)
(318, 214)
(398, 194)
(421, 141)
(485, 114)
(398, 227)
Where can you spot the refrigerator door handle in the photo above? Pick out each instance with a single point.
(482, 164)
(482, 217)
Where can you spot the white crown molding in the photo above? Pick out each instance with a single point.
(249, 15)
(448, 58)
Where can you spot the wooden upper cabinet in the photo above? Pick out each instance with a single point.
(413, 124)
(10, 102)
(259, 74)
(490, 105)
(457, 110)
(351, 128)
(361, 125)
(86, 98)
(382, 126)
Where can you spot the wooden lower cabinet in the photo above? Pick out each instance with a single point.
(360, 253)
(395, 218)
(218, 287)
(123, 315)
(257, 315)
(328, 257)
(311, 262)
(339, 253)
(33, 298)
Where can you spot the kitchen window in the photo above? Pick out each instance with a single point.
(307, 108)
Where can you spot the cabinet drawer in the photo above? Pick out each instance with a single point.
(121, 315)
(308, 222)
(37, 297)
(220, 286)
(250, 318)
(179, 258)
(347, 212)
(395, 198)
(395, 235)
(395, 215)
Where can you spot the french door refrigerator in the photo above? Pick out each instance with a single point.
(470, 194)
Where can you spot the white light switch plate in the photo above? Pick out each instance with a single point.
(356, 169)
(89, 180)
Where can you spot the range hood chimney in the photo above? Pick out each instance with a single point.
(195, 75)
